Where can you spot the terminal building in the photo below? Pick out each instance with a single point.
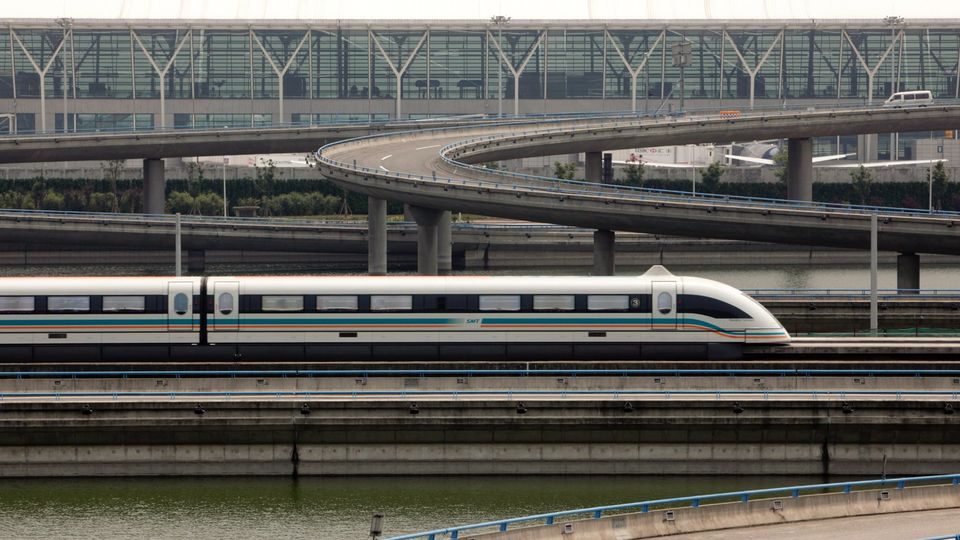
(147, 64)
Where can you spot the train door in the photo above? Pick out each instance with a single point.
(664, 305)
(226, 305)
(180, 306)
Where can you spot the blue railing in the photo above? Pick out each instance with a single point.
(580, 187)
(615, 394)
(335, 123)
(266, 221)
(424, 373)
(598, 512)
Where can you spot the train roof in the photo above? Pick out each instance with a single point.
(110, 285)
(359, 284)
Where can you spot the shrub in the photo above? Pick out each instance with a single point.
(52, 201)
(179, 202)
(208, 204)
(131, 201)
(102, 202)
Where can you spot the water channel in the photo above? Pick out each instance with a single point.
(316, 508)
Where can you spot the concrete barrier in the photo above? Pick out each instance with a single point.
(163, 437)
(664, 522)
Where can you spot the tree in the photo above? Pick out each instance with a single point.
(195, 175)
(265, 181)
(940, 180)
(564, 171)
(862, 184)
(112, 170)
(633, 174)
(780, 161)
(710, 177)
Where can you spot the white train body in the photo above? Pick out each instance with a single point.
(266, 318)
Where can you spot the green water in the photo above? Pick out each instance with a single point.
(318, 508)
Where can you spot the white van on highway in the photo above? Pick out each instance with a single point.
(914, 98)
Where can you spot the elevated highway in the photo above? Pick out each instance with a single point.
(436, 170)
(154, 145)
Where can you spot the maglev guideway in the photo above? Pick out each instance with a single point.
(434, 171)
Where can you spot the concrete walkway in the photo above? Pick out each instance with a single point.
(886, 526)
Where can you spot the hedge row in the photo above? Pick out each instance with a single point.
(315, 197)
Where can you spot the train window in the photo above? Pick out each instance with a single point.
(711, 307)
(180, 304)
(337, 303)
(68, 303)
(499, 302)
(391, 302)
(16, 303)
(553, 302)
(115, 304)
(225, 301)
(282, 303)
(608, 302)
(664, 302)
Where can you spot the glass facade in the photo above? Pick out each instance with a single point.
(471, 64)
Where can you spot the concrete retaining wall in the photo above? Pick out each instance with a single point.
(167, 437)
(736, 515)
(465, 459)
(664, 382)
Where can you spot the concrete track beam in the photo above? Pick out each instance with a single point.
(428, 220)
(800, 169)
(154, 187)
(376, 236)
(444, 244)
(594, 166)
(908, 273)
(604, 250)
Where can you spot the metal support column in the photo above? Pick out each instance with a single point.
(444, 244)
(376, 236)
(154, 186)
(800, 169)
(604, 250)
(874, 310)
(908, 273)
(427, 253)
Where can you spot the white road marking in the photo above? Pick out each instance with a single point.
(425, 147)
(388, 156)
(384, 168)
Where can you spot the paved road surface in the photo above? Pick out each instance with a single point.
(907, 525)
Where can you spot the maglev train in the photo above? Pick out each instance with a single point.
(357, 318)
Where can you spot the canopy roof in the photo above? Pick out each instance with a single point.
(307, 11)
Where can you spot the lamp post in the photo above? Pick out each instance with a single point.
(681, 57)
(225, 160)
(893, 21)
(499, 20)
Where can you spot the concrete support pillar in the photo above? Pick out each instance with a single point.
(154, 187)
(196, 261)
(444, 244)
(908, 272)
(800, 170)
(594, 166)
(867, 147)
(427, 253)
(376, 236)
(604, 249)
